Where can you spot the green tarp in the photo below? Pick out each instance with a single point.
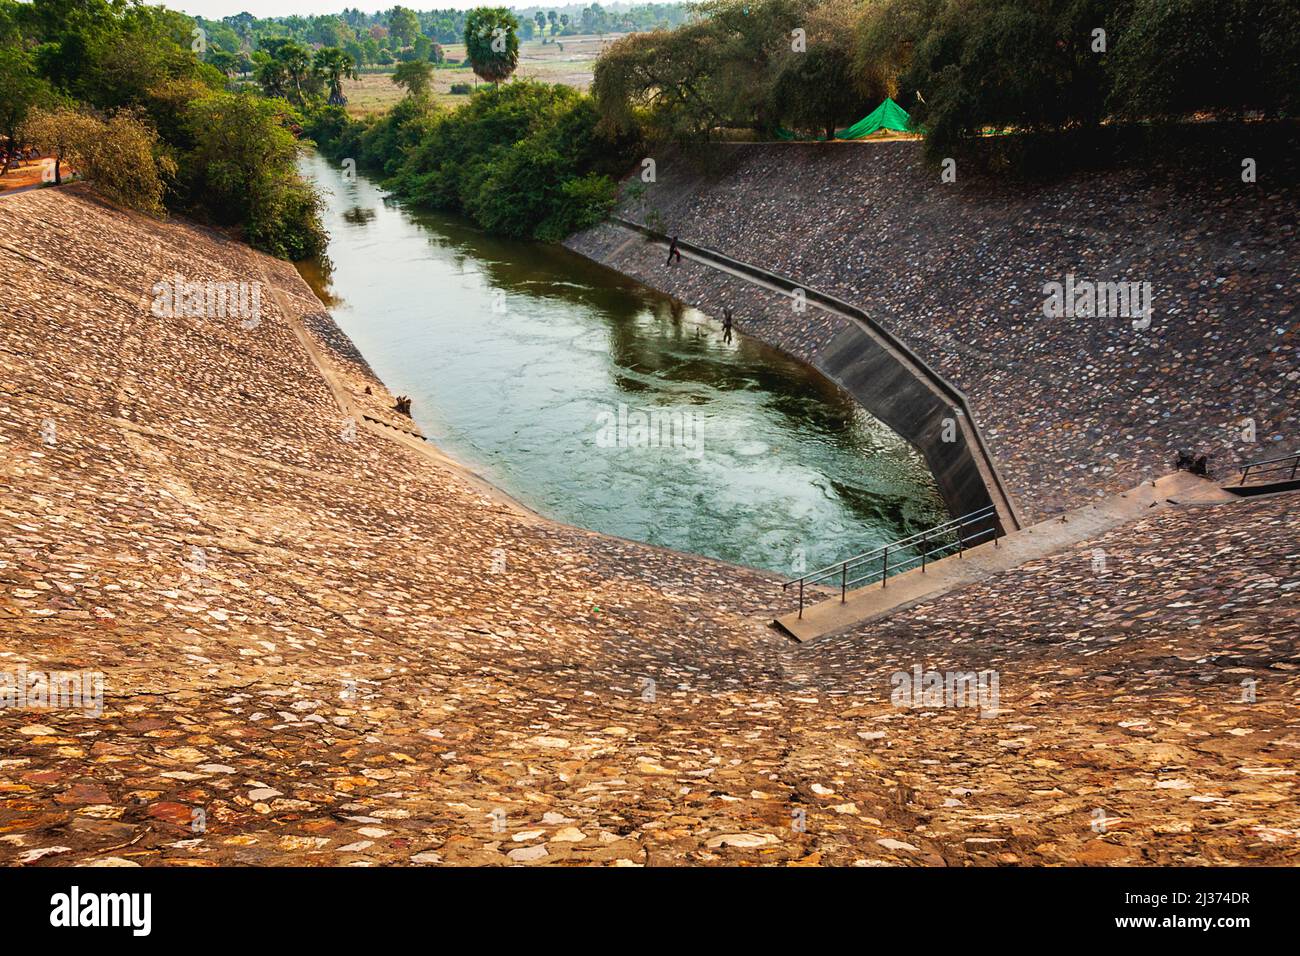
(888, 115)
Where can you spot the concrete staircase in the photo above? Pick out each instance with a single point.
(1048, 537)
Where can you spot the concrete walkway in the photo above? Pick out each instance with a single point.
(1037, 541)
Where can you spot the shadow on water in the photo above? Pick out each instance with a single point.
(531, 364)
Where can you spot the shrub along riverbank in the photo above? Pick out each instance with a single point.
(522, 159)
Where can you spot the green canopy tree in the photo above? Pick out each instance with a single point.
(416, 77)
(815, 90)
(403, 26)
(23, 92)
(492, 42)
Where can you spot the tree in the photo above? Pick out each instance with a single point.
(121, 156)
(23, 91)
(403, 26)
(815, 90)
(288, 73)
(1179, 57)
(225, 61)
(65, 132)
(492, 42)
(416, 76)
(332, 65)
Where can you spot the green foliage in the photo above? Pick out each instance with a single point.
(522, 160)
(492, 42)
(128, 96)
(1178, 57)
(23, 92)
(242, 169)
(416, 76)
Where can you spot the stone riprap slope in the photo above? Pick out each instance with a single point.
(1073, 408)
(311, 655)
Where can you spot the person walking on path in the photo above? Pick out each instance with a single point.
(726, 325)
(673, 251)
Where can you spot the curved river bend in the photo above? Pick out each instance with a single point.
(601, 403)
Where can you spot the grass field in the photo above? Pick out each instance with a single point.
(569, 62)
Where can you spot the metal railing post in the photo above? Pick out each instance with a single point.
(801, 599)
(923, 551)
(844, 581)
(961, 543)
(884, 567)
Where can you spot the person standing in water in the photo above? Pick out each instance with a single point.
(726, 325)
(673, 251)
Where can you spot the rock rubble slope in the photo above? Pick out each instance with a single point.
(312, 655)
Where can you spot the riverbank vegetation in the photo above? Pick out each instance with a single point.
(520, 159)
(120, 92)
(962, 68)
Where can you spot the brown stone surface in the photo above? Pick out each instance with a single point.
(308, 657)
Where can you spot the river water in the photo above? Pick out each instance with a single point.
(601, 403)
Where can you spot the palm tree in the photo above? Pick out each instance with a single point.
(296, 60)
(332, 65)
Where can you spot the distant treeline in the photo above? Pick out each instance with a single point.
(401, 33)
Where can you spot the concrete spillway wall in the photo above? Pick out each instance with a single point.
(880, 372)
(1072, 408)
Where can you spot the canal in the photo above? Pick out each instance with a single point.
(601, 403)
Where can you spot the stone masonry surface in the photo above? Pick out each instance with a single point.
(310, 654)
(1072, 408)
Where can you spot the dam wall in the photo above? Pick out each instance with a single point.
(1073, 407)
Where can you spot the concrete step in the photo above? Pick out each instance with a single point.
(1019, 547)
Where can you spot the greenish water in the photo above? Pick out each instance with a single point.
(534, 366)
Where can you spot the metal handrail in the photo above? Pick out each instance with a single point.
(952, 526)
(1280, 464)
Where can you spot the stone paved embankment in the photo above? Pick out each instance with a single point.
(311, 654)
(1073, 408)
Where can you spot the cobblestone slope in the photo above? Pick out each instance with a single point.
(312, 655)
(1073, 408)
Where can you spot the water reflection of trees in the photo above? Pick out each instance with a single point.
(358, 215)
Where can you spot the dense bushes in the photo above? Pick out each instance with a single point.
(522, 160)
